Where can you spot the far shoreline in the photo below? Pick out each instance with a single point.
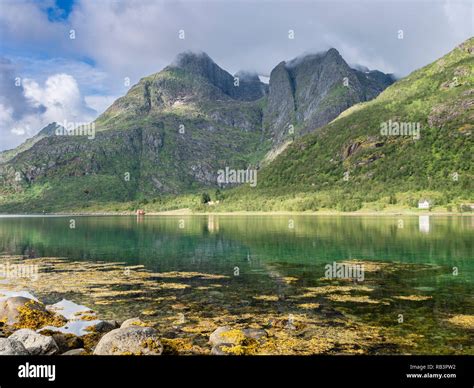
(189, 212)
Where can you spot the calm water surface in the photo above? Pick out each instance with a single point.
(264, 249)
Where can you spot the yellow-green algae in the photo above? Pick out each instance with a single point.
(415, 298)
(30, 317)
(465, 321)
(327, 316)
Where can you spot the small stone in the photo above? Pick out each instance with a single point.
(216, 295)
(216, 336)
(256, 334)
(74, 352)
(217, 350)
(103, 326)
(227, 335)
(67, 341)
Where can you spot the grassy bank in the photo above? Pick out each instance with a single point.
(258, 201)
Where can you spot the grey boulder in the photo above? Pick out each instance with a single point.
(133, 340)
(11, 347)
(35, 343)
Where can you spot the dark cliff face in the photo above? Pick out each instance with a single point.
(310, 91)
(280, 111)
(250, 87)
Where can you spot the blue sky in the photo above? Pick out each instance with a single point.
(60, 10)
(77, 79)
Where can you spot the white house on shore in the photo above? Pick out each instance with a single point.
(424, 204)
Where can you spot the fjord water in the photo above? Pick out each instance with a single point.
(218, 243)
(254, 251)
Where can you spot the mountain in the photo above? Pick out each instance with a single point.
(173, 131)
(353, 161)
(310, 91)
(49, 130)
(169, 134)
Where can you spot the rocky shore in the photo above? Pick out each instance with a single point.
(129, 310)
(31, 328)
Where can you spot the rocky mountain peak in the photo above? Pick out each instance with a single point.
(332, 52)
(248, 88)
(309, 91)
(49, 130)
(197, 63)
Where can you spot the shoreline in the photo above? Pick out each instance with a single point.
(189, 212)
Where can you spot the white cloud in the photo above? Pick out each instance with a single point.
(135, 38)
(89, 78)
(25, 22)
(60, 100)
(6, 113)
(455, 12)
(61, 97)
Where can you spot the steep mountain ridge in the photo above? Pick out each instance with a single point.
(308, 92)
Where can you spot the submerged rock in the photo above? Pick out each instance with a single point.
(34, 343)
(227, 335)
(462, 320)
(12, 347)
(217, 338)
(133, 322)
(225, 340)
(133, 340)
(256, 334)
(219, 350)
(103, 326)
(66, 341)
(74, 352)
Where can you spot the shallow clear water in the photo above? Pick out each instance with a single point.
(257, 253)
